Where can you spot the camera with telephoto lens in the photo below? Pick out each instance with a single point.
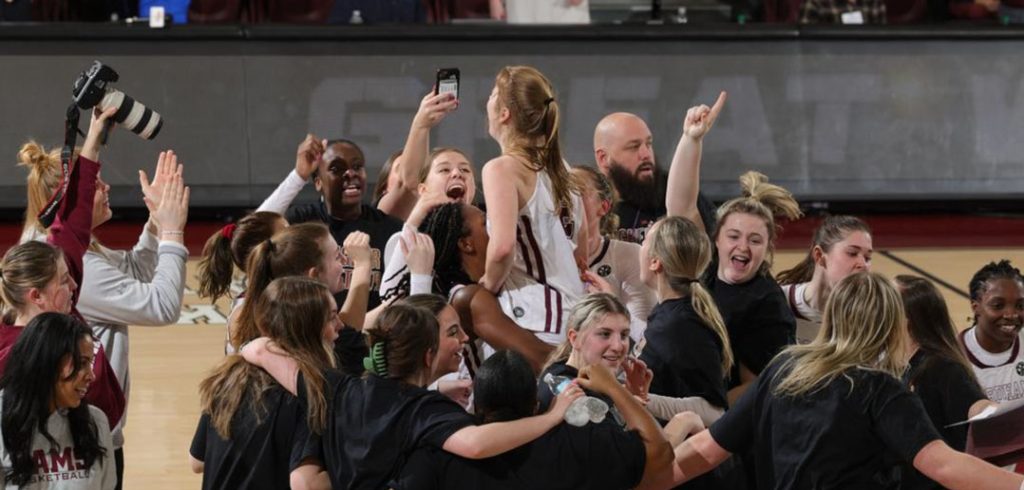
(94, 87)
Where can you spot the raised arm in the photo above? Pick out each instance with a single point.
(398, 202)
(658, 451)
(502, 200)
(307, 157)
(480, 313)
(264, 353)
(956, 470)
(684, 174)
(484, 441)
(357, 248)
(111, 295)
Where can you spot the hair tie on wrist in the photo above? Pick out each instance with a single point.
(377, 361)
(228, 231)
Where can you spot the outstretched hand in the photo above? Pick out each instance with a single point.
(700, 119)
(172, 213)
(167, 167)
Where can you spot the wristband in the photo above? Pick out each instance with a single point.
(420, 283)
(172, 232)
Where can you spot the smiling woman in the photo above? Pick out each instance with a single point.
(50, 373)
(993, 344)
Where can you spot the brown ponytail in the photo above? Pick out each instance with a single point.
(293, 252)
(404, 334)
(230, 247)
(535, 121)
(830, 232)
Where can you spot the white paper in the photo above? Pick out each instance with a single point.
(993, 411)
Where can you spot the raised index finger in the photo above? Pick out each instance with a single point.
(717, 108)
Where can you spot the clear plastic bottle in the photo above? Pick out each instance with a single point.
(357, 17)
(584, 409)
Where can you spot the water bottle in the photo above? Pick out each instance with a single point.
(584, 409)
(357, 17)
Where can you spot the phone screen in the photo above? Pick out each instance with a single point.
(448, 82)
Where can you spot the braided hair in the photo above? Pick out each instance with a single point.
(445, 225)
(991, 271)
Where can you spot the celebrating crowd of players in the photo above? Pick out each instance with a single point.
(406, 344)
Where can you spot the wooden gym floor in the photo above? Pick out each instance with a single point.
(167, 363)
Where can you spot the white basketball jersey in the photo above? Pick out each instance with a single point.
(1001, 375)
(618, 262)
(544, 283)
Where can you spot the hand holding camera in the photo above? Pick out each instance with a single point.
(97, 125)
(94, 88)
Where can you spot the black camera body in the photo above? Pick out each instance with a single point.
(94, 87)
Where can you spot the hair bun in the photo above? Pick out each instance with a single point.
(778, 200)
(34, 156)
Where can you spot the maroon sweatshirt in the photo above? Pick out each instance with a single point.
(71, 232)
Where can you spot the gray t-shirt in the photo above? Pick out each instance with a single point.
(57, 467)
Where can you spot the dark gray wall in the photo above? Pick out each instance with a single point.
(831, 119)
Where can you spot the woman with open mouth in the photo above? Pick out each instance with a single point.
(755, 311)
(44, 387)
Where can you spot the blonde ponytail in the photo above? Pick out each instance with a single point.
(684, 252)
(706, 309)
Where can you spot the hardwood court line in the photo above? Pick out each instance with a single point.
(931, 277)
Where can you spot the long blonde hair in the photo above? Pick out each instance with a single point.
(763, 200)
(535, 118)
(587, 312)
(684, 252)
(862, 327)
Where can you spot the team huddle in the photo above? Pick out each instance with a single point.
(578, 327)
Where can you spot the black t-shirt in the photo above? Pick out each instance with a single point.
(947, 390)
(634, 221)
(837, 437)
(593, 456)
(758, 319)
(375, 424)
(258, 455)
(684, 353)
(351, 346)
(371, 221)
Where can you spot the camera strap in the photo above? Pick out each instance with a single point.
(71, 132)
